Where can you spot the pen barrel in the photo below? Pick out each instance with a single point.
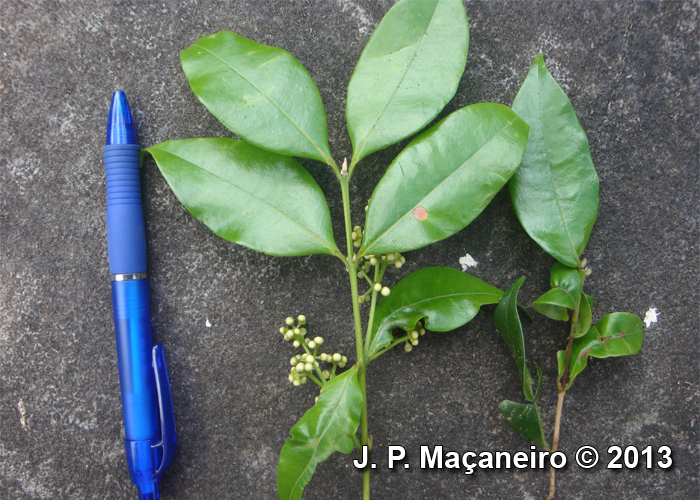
(132, 322)
(126, 232)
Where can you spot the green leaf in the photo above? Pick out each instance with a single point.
(507, 322)
(408, 71)
(565, 294)
(258, 199)
(526, 419)
(329, 426)
(444, 178)
(555, 190)
(617, 334)
(584, 316)
(446, 297)
(261, 93)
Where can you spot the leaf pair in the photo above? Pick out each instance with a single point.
(617, 334)
(566, 294)
(524, 418)
(408, 71)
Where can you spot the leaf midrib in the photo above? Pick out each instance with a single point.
(325, 429)
(379, 236)
(412, 304)
(549, 167)
(311, 233)
(273, 102)
(391, 98)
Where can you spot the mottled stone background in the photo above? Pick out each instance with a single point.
(631, 71)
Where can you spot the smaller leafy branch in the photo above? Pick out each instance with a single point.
(555, 196)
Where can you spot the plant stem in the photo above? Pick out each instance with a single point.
(361, 362)
(561, 386)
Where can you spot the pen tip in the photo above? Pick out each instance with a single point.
(120, 125)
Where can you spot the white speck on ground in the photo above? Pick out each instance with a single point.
(467, 261)
(22, 414)
(207, 324)
(650, 317)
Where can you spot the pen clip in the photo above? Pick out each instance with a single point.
(168, 441)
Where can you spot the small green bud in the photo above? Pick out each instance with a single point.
(307, 367)
(303, 380)
(414, 342)
(360, 300)
(403, 259)
(312, 345)
(300, 367)
(343, 360)
(377, 287)
(398, 264)
(302, 319)
(407, 347)
(283, 330)
(422, 331)
(309, 358)
(296, 343)
(297, 331)
(291, 378)
(293, 361)
(297, 383)
(373, 261)
(303, 331)
(326, 374)
(414, 334)
(386, 291)
(391, 257)
(341, 364)
(315, 364)
(337, 358)
(289, 321)
(357, 229)
(289, 335)
(319, 340)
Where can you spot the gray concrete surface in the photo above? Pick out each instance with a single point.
(631, 71)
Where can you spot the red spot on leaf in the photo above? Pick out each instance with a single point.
(420, 213)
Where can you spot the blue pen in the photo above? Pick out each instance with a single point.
(149, 422)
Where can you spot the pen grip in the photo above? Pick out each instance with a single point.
(126, 233)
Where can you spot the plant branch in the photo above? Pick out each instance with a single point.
(561, 386)
(390, 346)
(352, 264)
(378, 275)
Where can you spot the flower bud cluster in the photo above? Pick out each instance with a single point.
(356, 236)
(306, 364)
(412, 336)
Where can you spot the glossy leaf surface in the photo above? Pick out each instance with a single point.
(526, 419)
(617, 334)
(261, 93)
(444, 178)
(328, 426)
(555, 190)
(408, 71)
(585, 314)
(446, 297)
(258, 199)
(565, 294)
(507, 322)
